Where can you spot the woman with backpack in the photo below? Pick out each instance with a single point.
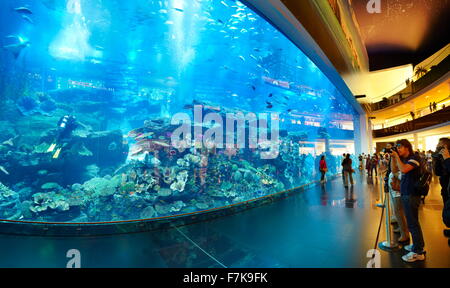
(408, 165)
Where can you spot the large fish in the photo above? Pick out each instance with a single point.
(16, 49)
(4, 170)
(23, 10)
(28, 19)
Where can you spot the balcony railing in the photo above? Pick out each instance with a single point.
(434, 74)
(436, 118)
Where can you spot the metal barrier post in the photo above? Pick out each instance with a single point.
(389, 244)
(380, 184)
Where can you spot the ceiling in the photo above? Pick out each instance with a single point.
(406, 31)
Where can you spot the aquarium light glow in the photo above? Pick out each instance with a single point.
(72, 43)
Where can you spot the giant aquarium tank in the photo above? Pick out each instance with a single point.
(118, 110)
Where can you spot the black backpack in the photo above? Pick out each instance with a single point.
(446, 214)
(423, 179)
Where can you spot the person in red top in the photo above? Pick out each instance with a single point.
(323, 169)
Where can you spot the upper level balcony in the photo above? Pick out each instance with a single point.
(430, 120)
(414, 87)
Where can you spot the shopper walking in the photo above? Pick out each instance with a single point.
(409, 165)
(374, 165)
(347, 170)
(323, 169)
(369, 165)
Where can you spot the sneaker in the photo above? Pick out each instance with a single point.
(447, 233)
(409, 247)
(413, 257)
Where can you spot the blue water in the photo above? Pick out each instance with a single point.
(123, 69)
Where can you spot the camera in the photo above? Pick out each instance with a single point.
(389, 150)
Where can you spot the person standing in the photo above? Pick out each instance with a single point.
(409, 165)
(347, 170)
(323, 169)
(369, 165)
(397, 206)
(439, 168)
(374, 165)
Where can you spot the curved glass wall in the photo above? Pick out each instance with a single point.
(120, 110)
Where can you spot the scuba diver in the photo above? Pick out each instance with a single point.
(66, 125)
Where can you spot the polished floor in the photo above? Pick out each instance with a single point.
(325, 226)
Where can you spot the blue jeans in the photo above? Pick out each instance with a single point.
(411, 205)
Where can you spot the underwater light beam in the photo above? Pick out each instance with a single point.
(72, 42)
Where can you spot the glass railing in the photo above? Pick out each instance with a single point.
(413, 88)
(436, 118)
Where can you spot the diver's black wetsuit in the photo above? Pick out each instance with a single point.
(66, 125)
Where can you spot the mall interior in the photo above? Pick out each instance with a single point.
(89, 168)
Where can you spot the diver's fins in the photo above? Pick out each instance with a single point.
(51, 148)
(56, 155)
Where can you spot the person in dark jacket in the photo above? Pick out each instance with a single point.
(409, 165)
(323, 169)
(446, 165)
(439, 168)
(347, 170)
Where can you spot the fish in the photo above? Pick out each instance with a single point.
(220, 21)
(135, 132)
(4, 170)
(178, 9)
(16, 49)
(9, 142)
(254, 88)
(144, 135)
(253, 57)
(23, 10)
(224, 4)
(271, 94)
(242, 58)
(28, 19)
(269, 106)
